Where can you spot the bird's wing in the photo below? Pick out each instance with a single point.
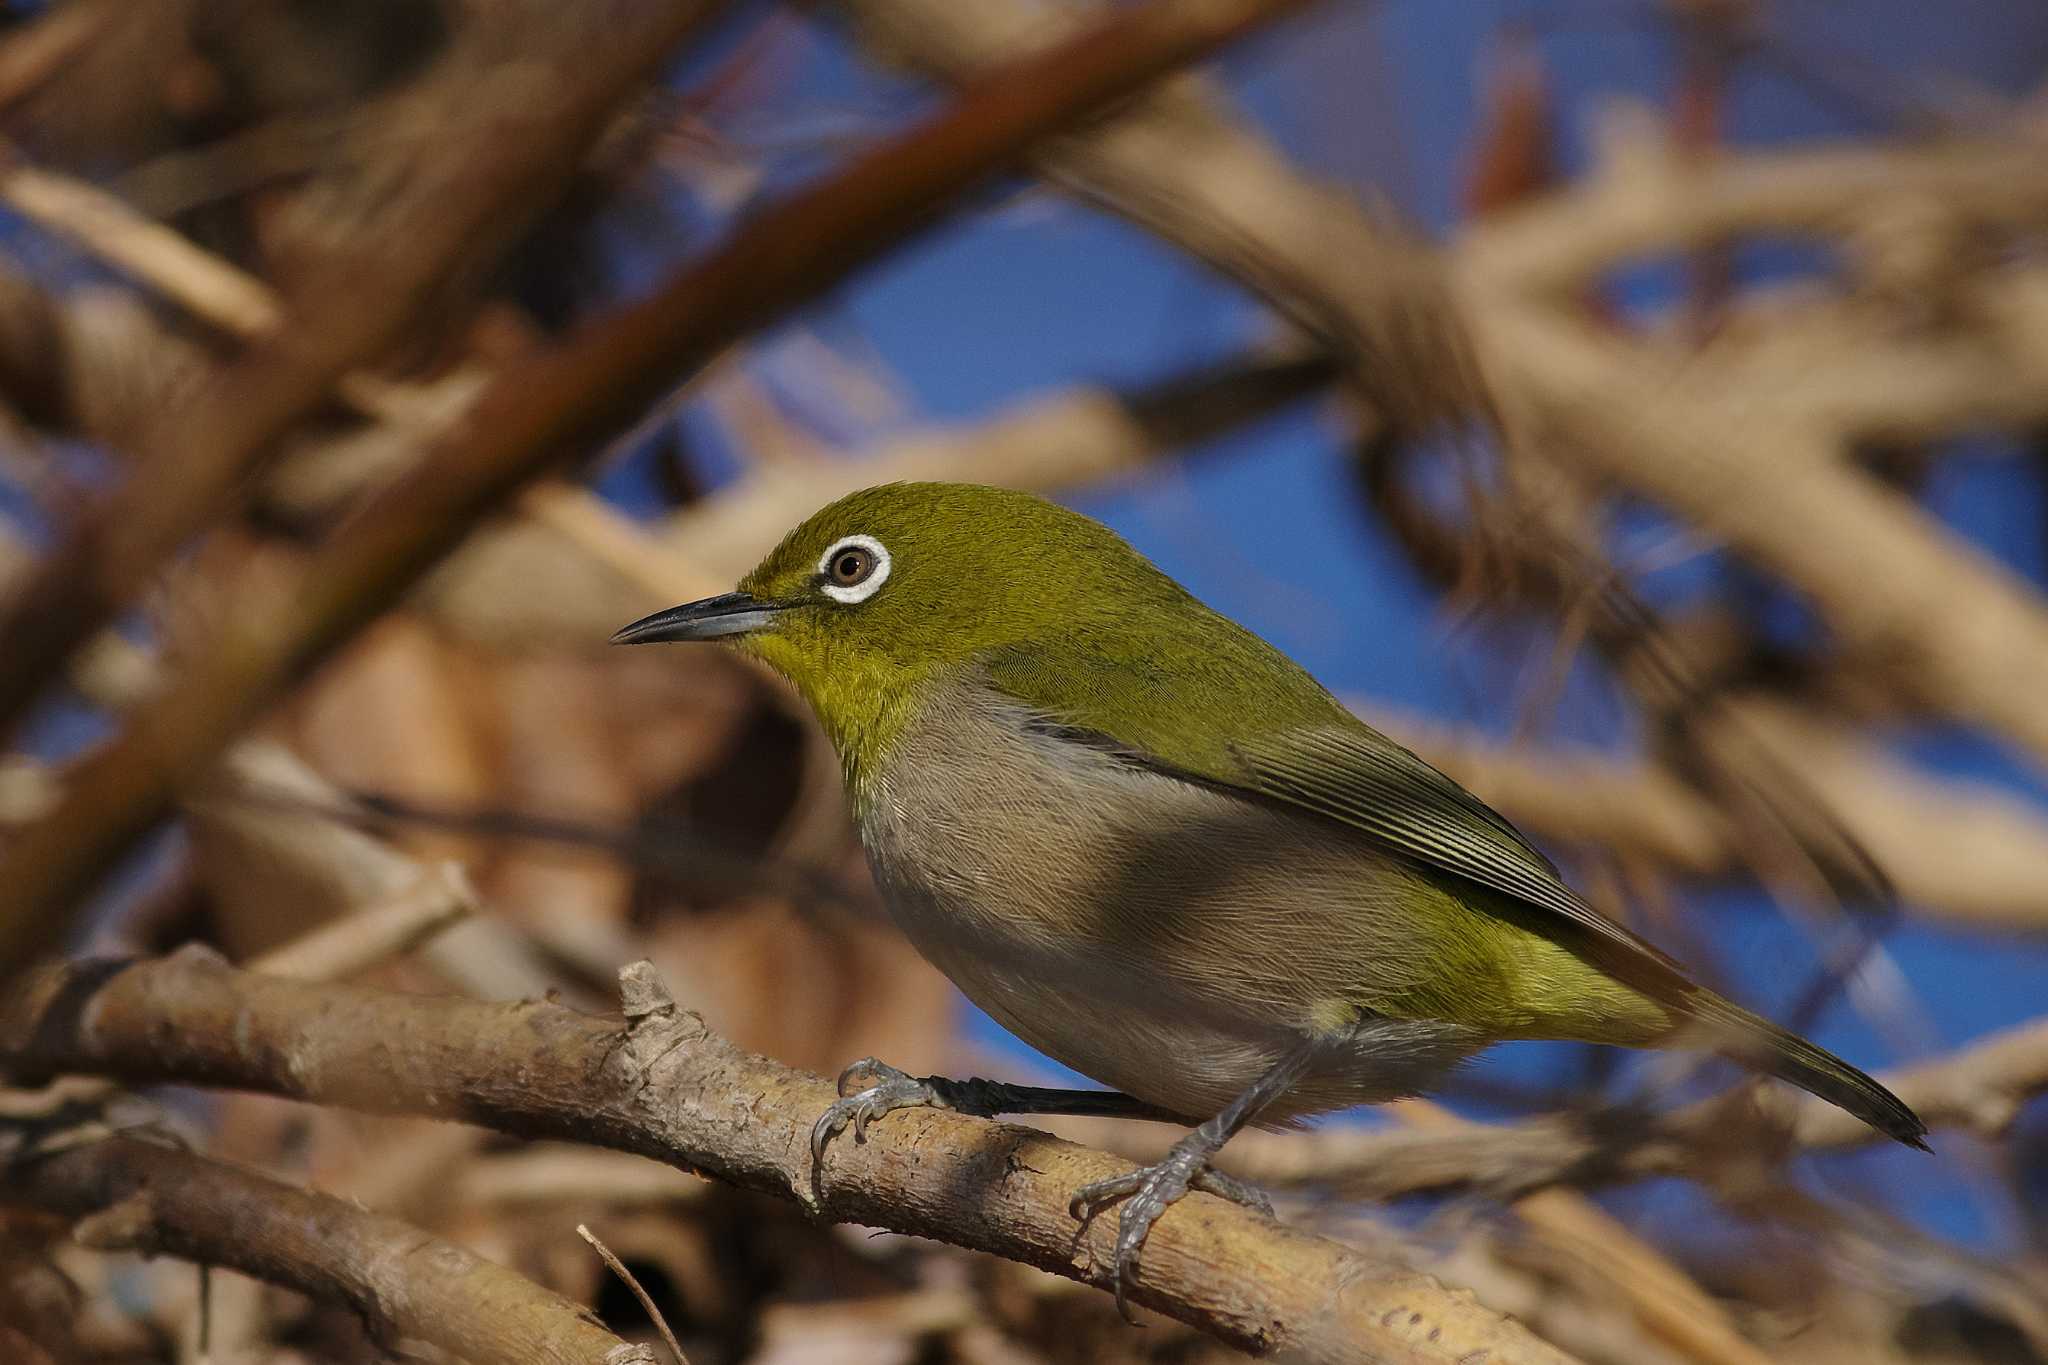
(1359, 777)
(1302, 749)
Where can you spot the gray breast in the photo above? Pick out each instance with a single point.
(1164, 938)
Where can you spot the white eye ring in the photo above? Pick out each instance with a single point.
(850, 593)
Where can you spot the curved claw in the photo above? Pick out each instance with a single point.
(823, 1131)
(891, 1090)
(1097, 1195)
(880, 1072)
(1150, 1191)
(857, 1109)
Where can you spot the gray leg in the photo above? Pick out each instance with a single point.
(893, 1089)
(1151, 1190)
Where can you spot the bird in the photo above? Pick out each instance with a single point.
(1155, 849)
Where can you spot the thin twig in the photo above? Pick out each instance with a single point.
(359, 940)
(1978, 1090)
(632, 1282)
(500, 140)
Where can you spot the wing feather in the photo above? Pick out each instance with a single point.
(1363, 779)
(1294, 744)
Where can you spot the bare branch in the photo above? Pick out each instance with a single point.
(1967, 852)
(664, 1086)
(381, 930)
(1059, 440)
(485, 135)
(632, 1282)
(1644, 198)
(1957, 629)
(135, 1196)
(1177, 164)
(260, 831)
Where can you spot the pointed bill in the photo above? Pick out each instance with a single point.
(714, 618)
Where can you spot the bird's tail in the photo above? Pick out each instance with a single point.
(1761, 1045)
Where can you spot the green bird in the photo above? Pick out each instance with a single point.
(1154, 848)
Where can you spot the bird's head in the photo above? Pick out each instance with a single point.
(887, 589)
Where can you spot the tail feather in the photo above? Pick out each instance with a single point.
(1761, 1045)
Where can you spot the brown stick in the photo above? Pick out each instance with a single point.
(1962, 631)
(592, 388)
(493, 137)
(665, 1086)
(1958, 851)
(1065, 438)
(1177, 165)
(406, 1283)
(632, 1282)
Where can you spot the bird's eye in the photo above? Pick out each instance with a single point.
(851, 566)
(854, 569)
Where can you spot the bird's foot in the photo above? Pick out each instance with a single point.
(889, 1090)
(1148, 1192)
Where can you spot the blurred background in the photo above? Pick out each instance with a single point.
(1639, 407)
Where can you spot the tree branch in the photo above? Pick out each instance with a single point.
(490, 140)
(664, 1086)
(1066, 438)
(1957, 629)
(1177, 164)
(1961, 851)
(1645, 197)
(406, 1283)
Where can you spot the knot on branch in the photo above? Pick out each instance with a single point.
(130, 1225)
(655, 1025)
(643, 994)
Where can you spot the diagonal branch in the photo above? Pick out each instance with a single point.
(663, 1085)
(1177, 164)
(490, 141)
(135, 1196)
(592, 388)
(1961, 851)
(1958, 629)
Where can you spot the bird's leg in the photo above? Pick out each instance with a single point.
(1150, 1190)
(891, 1089)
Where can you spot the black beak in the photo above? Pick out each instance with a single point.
(714, 618)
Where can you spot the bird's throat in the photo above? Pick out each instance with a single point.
(865, 705)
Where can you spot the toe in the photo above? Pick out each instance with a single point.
(1123, 1299)
(1149, 1191)
(1235, 1190)
(1093, 1197)
(824, 1130)
(1133, 1227)
(869, 1069)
